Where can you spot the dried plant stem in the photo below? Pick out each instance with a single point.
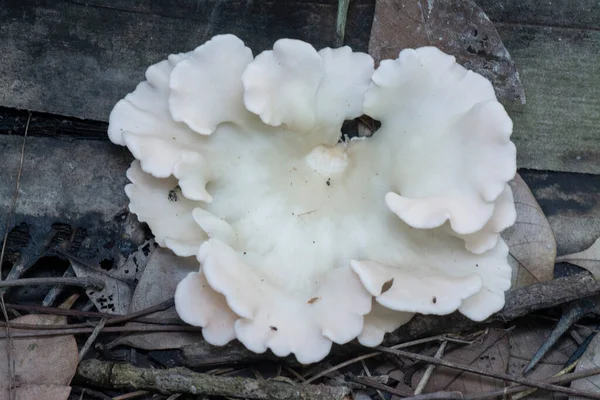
(71, 281)
(376, 353)
(492, 374)
(112, 319)
(557, 380)
(366, 369)
(340, 26)
(430, 368)
(112, 329)
(182, 380)
(92, 337)
(379, 386)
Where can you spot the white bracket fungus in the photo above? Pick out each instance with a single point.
(304, 239)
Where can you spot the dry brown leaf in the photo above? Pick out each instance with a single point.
(490, 353)
(163, 272)
(458, 27)
(525, 340)
(590, 359)
(37, 392)
(41, 365)
(530, 240)
(588, 259)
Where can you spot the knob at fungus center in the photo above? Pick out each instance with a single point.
(303, 241)
(328, 161)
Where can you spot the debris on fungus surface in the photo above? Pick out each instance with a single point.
(303, 237)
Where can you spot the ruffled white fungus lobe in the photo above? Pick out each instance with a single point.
(305, 239)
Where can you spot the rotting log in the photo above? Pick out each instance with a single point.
(182, 380)
(519, 302)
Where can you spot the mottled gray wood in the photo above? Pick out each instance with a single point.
(77, 58)
(566, 13)
(559, 127)
(62, 179)
(571, 202)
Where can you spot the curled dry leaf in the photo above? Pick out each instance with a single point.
(530, 240)
(458, 27)
(157, 284)
(588, 259)
(43, 365)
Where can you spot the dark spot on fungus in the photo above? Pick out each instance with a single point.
(273, 328)
(328, 182)
(387, 286)
(434, 300)
(311, 301)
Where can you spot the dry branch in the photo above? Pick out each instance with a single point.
(519, 302)
(182, 380)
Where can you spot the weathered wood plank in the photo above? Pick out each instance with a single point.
(571, 203)
(63, 180)
(77, 58)
(565, 13)
(559, 127)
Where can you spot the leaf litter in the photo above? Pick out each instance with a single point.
(588, 259)
(531, 241)
(42, 366)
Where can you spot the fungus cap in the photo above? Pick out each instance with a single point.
(305, 239)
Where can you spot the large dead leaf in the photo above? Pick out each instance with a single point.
(458, 27)
(43, 367)
(530, 240)
(157, 284)
(525, 340)
(590, 359)
(490, 353)
(588, 259)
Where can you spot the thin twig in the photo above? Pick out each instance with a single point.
(92, 337)
(112, 319)
(366, 369)
(85, 282)
(9, 342)
(492, 374)
(379, 386)
(557, 380)
(120, 329)
(430, 368)
(376, 353)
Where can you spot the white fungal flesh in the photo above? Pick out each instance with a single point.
(305, 240)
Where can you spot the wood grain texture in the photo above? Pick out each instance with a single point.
(559, 127)
(77, 58)
(566, 13)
